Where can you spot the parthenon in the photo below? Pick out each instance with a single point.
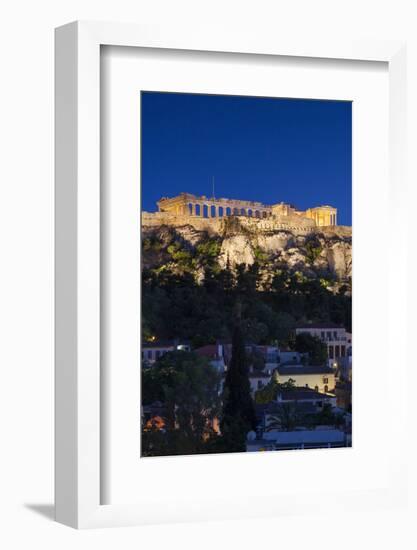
(187, 204)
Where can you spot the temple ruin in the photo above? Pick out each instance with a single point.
(188, 205)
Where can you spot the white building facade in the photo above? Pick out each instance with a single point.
(337, 339)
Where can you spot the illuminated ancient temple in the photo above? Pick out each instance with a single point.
(187, 204)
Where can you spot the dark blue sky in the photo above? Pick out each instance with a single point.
(263, 149)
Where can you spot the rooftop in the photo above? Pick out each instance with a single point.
(319, 325)
(259, 375)
(165, 343)
(301, 394)
(305, 436)
(301, 369)
(275, 408)
(211, 351)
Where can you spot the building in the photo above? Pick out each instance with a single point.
(323, 215)
(306, 395)
(187, 204)
(151, 351)
(304, 439)
(215, 354)
(270, 354)
(266, 357)
(288, 357)
(321, 379)
(338, 341)
(258, 380)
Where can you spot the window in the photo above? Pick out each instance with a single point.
(337, 351)
(316, 388)
(329, 335)
(331, 352)
(325, 380)
(326, 389)
(343, 351)
(322, 334)
(335, 334)
(260, 384)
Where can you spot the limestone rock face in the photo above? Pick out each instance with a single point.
(275, 242)
(322, 252)
(294, 258)
(236, 250)
(339, 258)
(190, 234)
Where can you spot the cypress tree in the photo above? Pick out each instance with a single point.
(238, 409)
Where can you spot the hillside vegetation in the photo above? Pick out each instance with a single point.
(193, 280)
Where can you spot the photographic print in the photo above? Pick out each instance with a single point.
(246, 311)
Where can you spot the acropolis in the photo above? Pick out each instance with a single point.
(198, 210)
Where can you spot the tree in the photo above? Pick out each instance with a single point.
(313, 250)
(326, 416)
(287, 418)
(270, 392)
(188, 387)
(316, 349)
(238, 411)
(256, 360)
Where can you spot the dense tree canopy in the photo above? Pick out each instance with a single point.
(188, 387)
(316, 349)
(175, 305)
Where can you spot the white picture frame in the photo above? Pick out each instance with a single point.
(78, 426)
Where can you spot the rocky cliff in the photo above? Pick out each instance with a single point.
(325, 252)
